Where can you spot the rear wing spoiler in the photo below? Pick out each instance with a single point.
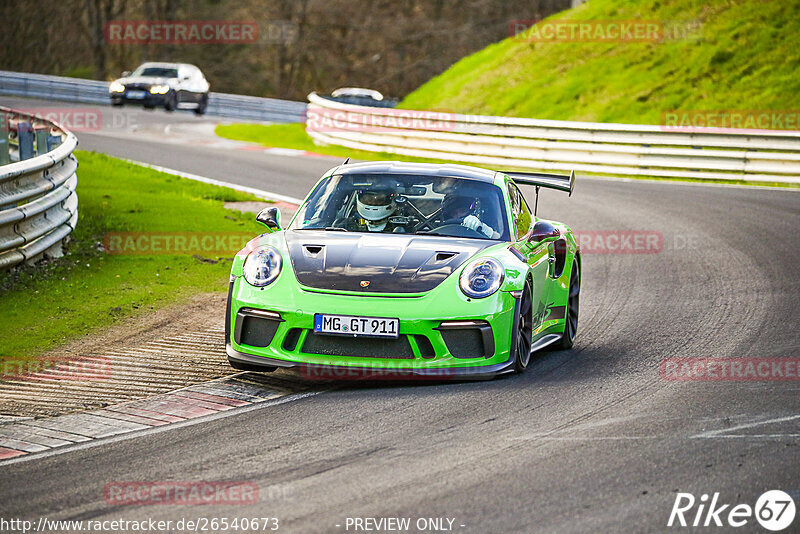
(562, 182)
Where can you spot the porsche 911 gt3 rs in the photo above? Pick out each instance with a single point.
(409, 269)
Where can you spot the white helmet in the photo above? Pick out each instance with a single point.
(375, 207)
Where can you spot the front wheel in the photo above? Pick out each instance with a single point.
(172, 102)
(571, 315)
(201, 106)
(521, 340)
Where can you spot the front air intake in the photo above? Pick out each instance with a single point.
(256, 328)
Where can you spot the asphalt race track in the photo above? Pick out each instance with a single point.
(593, 439)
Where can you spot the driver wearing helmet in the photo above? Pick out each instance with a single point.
(374, 209)
(460, 209)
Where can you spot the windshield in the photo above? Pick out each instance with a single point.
(406, 204)
(156, 72)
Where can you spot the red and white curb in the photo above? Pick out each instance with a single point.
(206, 400)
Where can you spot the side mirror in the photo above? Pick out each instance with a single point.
(185, 77)
(543, 232)
(126, 73)
(271, 218)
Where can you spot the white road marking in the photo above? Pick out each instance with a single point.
(243, 188)
(725, 432)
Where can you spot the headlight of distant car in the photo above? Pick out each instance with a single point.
(481, 278)
(159, 89)
(116, 87)
(262, 266)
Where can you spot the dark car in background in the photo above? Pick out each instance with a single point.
(362, 97)
(168, 85)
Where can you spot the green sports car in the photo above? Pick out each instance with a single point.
(393, 269)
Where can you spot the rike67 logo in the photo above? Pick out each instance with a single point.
(774, 510)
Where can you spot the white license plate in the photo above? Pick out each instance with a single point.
(350, 325)
(135, 94)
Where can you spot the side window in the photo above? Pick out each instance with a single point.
(520, 211)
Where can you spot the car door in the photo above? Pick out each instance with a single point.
(199, 84)
(182, 85)
(537, 256)
(195, 83)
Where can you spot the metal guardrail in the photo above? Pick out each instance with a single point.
(93, 92)
(604, 148)
(38, 202)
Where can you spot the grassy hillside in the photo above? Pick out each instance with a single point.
(46, 305)
(716, 55)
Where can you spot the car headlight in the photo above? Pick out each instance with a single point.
(262, 266)
(116, 87)
(159, 89)
(481, 278)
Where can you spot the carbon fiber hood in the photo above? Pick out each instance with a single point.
(376, 263)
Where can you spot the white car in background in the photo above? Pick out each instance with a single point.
(168, 85)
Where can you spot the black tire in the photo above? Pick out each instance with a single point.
(117, 103)
(172, 102)
(253, 368)
(573, 306)
(201, 106)
(523, 330)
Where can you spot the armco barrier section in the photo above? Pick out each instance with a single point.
(38, 202)
(604, 148)
(93, 92)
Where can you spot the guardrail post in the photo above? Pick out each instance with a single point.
(53, 141)
(25, 138)
(4, 146)
(40, 132)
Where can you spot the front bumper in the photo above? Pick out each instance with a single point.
(439, 337)
(148, 100)
(353, 372)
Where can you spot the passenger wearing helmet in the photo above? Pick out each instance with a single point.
(461, 209)
(374, 208)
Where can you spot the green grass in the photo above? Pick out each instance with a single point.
(294, 136)
(47, 305)
(86, 72)
(735, 55)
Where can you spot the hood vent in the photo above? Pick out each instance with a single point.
(313, 250)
